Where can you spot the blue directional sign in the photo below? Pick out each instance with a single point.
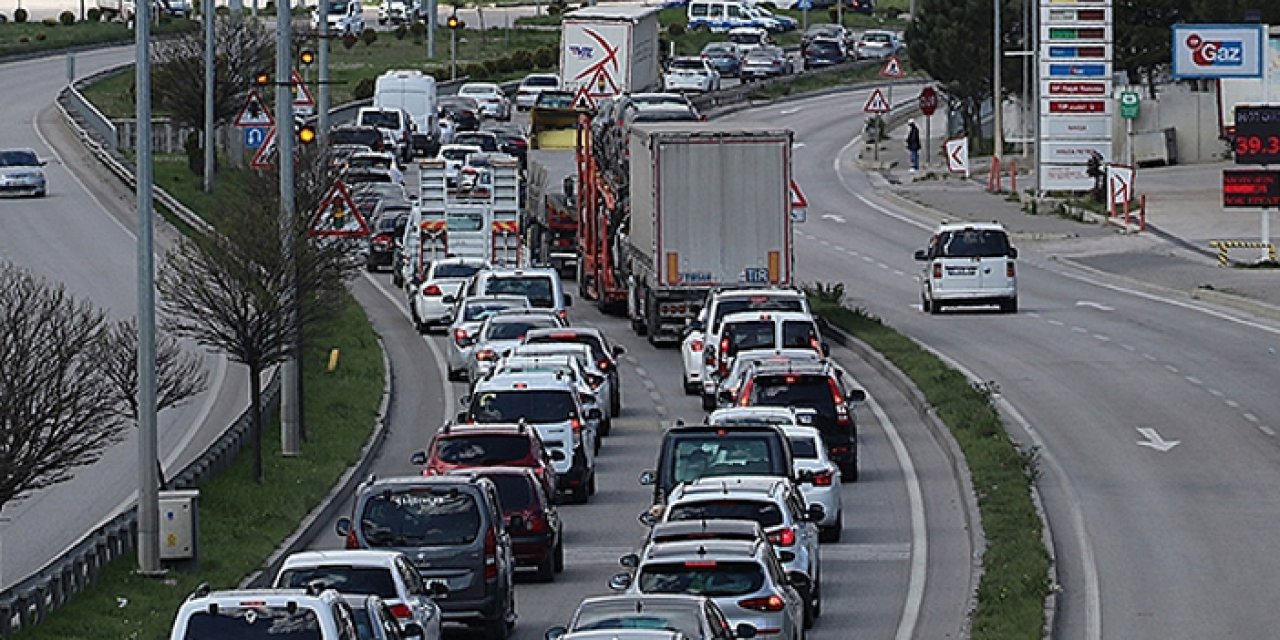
(254, 137)
(804, 5)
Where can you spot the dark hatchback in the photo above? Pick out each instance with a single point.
(690, 452)
(532, 520)
(385, 241)
(464, 111)
(823, 52)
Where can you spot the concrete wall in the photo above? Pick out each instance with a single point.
(1193, 115)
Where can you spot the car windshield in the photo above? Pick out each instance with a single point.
(514, 492)
(368, 137)
(718, 49)
(462, 270)
(486, 450)
(381, 119)
(531, 406)
(754, 303)
(477, 91)
(803, 447)
(557, 100)
(375, 581)
(386, 225)
(876, 38)
(486, 141)
(597, 350)
(18, 159)
(812, 392)
(477, 311)
(974, 243)
(682, 617)
(369, 162)
(420, 517)
(254, 623)
(456, 154)
(538, 289)
(702, 577)
(719, 456)
(541, 81)
(664, 115)
(689, 64)
(766, 513)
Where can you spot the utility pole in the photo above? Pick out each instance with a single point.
(432, 20)
(148, 492)
(290, 402)
(997, 90)
(322, 106)
(209, 155)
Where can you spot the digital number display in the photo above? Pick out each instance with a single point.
(1257, 135)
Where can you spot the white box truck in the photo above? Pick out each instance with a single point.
(711, 206)
(605, 51)
(415, 92)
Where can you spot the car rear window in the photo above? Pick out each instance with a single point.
(481, 310)
(766, 513)
(347, 579)
(369, 137)
(702, 577)
(541, 81)
(532, 406)
(485, 142)
(622, 615)
(455, 270)
(750, 334)
(699, 457)
(381, 119)
(477, 449)
(254, 623)
(538, 289)
(514, 492)
(597, 350)
(798, 334)
(804, 448)
(420, 517)
(974, 243)
(813, 392)
(754, 303)
(689, 64)
(515, 329)
(456, 154)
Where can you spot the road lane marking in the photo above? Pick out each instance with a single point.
(1127, 347)
(1171, 368)
(1099, 336)
(1192, 379)
(1155, 441)
(833, 217)
(1231, 403)
(1213, 392)
(1078, 329)
(1056, 323)
(1250, 417)
(1267, 430)
(1094, 305)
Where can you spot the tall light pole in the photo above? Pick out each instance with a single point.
(322, 106)
(148, 492)
(209, 157)
(997, 89)
(290, 402)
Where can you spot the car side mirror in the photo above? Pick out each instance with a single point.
(648, 478)
(342, 527)
(516, 523)
(557, 455)
(412, 630)
(620, 582)
(418, 457)
(922, 255)
(449, 299)
(594, 414)
(786, 556)
(1013, 252)
(555, 633)
(725, 396)
(629, 561)
(799, 580)
(826, 350)
(464, 400)
(437, 588)
(816, 513)
(460, 417)
(647, 518)
(857, 395)
(744, 630)
(618, 350)
(568, 300)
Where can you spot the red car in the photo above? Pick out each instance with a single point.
(487, 445)
(532, 520)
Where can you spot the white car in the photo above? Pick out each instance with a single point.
(387, 574)
(454, 156)
(320, 609)
(503, 331)
(967, 264)
(22, 173)
(819, 476)
(566, 365)
(383, 160)
(691, 74)
(691, 358)
(726, 301)
(393, 11)
(532, 85)
(346, 17)
(597, 379)
(432, 298)
(468, 315)
(493, 102)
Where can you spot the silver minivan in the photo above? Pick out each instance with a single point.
(969, 264)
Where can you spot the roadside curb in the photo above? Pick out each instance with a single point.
(942, 434)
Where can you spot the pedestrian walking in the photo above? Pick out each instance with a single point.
(913, 144)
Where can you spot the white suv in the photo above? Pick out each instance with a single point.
(260, 614)
(431, 297)
(969, 264)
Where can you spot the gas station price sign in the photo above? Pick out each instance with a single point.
(1257, 139)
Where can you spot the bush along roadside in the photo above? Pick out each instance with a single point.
(242, 522)
(1015, 564)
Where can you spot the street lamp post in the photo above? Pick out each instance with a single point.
(997, 89)
(148, 492)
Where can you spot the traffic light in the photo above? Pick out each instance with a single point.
(262, 79)
(454, 23)
(306, 134)
(307, 57)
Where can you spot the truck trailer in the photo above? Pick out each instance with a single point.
(607, 51)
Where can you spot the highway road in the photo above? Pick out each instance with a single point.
(82, 236)
(1156, 417)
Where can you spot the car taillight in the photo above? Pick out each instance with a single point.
(724, 357)
(842, 410)
(459, 335)
(695, 346)
(1008, 269)
(937, 270)
(823, 478)
(487, 355)
(563, 315)
(352, 541)
(490, 553)
(602, 364)
(594, 380)
(766, 603)
(746, 393)
(575, 424)
(402, 611)
(783, 537)
(431, 290)
(837, 450)
(535, 522)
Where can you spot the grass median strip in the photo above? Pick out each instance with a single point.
(241, 521)
(1015, 563)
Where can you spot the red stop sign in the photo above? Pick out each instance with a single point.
(928, 101)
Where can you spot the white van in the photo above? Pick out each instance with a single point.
(969, 263)
(414, 92)
(722, 15)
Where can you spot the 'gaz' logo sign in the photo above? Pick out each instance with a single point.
(1218, 50)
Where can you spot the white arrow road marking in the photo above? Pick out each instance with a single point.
(1154, 440)
(787, 112)
(833, 217)
(797, 145)
(1094, 305)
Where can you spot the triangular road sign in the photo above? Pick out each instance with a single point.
(892, 68)
(301, 94)
(582, 100)
(254, 114)
(876, 103)
(338, 216)
(263, 158)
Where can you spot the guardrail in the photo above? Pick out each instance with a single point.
(740, 93)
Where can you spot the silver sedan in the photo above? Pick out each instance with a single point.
(22, 173)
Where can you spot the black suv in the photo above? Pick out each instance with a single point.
(689, 452)
(452, 528)
(819, 386)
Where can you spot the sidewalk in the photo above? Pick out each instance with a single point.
(1184, 213)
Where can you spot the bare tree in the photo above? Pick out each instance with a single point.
(57, 406)
(235, 290)
(179, 374)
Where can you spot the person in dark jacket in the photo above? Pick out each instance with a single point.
(913, 145)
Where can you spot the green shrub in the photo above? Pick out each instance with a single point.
(349, 40)
(363, 89)
(419, 28)
(557, 7)
(40, 36)
(402, 31)
(94, 14)
(833, 14)
(49, 22)
(23, 39)
(675, 30)
(476, 70)
(521, 59)
(20, 15)
(546, 57)
(67, 18)
(369, 36)
(491, 67)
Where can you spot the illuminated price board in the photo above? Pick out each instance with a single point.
(1257, 137)
(1250, 188)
